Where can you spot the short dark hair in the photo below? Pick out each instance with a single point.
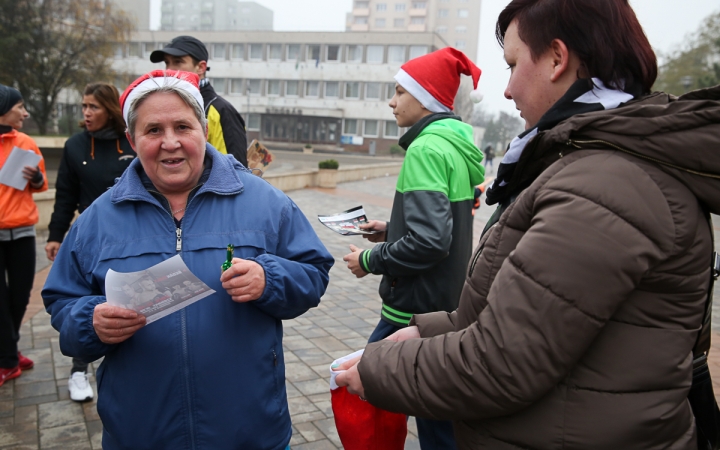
(109, 98)
(604, 34)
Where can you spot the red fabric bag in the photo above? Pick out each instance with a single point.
(362, 426)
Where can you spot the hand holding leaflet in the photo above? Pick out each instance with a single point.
(347, 222)
(11, 173)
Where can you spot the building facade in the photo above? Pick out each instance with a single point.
(456, 21)
(214, 15)
(138, 11)
(328, 89)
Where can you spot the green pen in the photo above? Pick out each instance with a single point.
(228, 263)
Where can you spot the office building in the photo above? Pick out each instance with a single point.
(214, 15)
(329, 89)
(457, 22)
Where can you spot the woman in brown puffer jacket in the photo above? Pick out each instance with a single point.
(585, 296)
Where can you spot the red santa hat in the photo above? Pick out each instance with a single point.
(187, 81)
(434, 79)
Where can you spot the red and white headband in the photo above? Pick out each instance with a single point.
(187, 81)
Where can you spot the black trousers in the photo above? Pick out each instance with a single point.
(17, 269)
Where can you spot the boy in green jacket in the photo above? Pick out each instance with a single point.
(424, 250)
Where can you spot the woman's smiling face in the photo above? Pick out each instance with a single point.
(170, 143)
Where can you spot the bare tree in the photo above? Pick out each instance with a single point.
(48, 45)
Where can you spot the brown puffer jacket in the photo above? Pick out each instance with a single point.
(582, 304)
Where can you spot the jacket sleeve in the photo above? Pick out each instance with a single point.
(428, 219)
(297, 274)
(543, 311)
(233, 127)
(41, 166)
(70, 298)
(67, 198)
(434, 323)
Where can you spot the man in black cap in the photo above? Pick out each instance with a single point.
(226, 128)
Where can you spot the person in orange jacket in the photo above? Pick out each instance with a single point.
(18, 216)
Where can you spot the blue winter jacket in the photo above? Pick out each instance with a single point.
(212, 375)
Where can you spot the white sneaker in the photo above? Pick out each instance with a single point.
(80, 389)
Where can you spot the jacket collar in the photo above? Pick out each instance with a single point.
(7, 130)
(418, 128)
(224, 179)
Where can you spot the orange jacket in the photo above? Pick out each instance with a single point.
(17, 208)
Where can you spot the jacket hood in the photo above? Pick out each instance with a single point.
(460, 135)
(680, 134)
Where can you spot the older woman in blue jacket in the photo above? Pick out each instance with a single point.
(212, 375)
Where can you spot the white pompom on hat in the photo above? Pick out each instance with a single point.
(434, 79)
(187, 81)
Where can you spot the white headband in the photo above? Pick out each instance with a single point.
(153, 83)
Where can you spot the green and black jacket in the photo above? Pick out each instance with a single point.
(429, 236)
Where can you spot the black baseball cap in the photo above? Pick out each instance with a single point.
(181, 46)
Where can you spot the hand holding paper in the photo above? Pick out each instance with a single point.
(114, 324)
(13, 172)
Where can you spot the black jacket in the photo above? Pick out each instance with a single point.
(226, 127)
(84, 175)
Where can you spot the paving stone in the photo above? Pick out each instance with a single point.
(328, 428)
(311, 331)
(26, 414)
(299, 372)
(296, 440)
(318, 445)
(60, 414)
(41, 372)
(9, 420)
(7, 408)
(7, 390)
(95, 430)
(311, 387)
(313, 356)
(36, 400)
(90, 411)
(330, 344)
(35, 389)
(39, 355)
(292, 392)
(307, 417)
(297, 343)
(310, 432)
(69, 437)
(18, 434)
(300, 405)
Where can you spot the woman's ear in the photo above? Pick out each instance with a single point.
(130, 140)
(560, 59)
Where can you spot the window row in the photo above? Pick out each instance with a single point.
(372, 128)
(461, 13)
(460, 29)
(365, 4)
(352, 90)
(370, 54)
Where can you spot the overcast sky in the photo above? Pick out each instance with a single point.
(666, 22)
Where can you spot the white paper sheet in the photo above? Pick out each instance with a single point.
(158, 291)
(11, 172)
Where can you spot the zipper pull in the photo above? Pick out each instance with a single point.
(178, 232)
(275, 361)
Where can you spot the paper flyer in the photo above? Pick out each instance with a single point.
(11, 172)
(158, 291)
(347, 222)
